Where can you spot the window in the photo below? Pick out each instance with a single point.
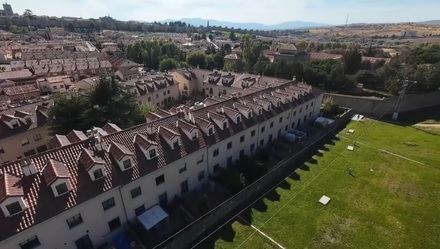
(210, 131)
(140, 210)
(242, 139)
(183, 169)
(217, 168)
(271, 124)
(286, 127)
(37, 137)
(238, 119)
(98, 174)
(163, 199)
(127, 164)
(250, 114)
(135, 192)
(14, 208)
(260, 111)
(109, 203)
(61, 188)
(229, 145)
(30, 243)
(2, 151)
(252, 133)
(261, 142)
(252, 147)
(152, 153)
(281, 119)
(24, 142)
(74, 221)
(160, 179)
(241, 154)
(201, 160)
(114, 224)
(184, 187)
(176, 144)
(229, 162)
(263, 129)
(270, 138)
(300, 110)
(215, 152)
(311, 104)
(225, 125)
(194, 136)
(293, 125)
(201, 175)
(294, 113)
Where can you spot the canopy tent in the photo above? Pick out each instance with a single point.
(152, 217)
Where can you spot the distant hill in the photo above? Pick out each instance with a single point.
(250, 25)
(432, 22)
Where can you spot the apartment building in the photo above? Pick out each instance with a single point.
(158, 90)
(187, 81)
(23, 131)
(88, 190)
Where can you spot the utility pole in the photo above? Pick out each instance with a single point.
(406, 84)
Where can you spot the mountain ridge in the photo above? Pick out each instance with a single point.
(250, 25)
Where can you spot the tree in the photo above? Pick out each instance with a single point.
(106, 102)
(168, 64)
(352, 60)
(109, 102)
(232, 36)
(146, 108)
(66, 114)
(196, 59)
(329, 106)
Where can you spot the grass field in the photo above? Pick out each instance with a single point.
(392, 199)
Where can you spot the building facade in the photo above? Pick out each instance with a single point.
(94, 186)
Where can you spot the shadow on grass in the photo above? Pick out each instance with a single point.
(295, 176)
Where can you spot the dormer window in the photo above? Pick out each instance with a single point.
(152, 153)
(250, 114)
(210, 131)
(260, 111)
(98, 174)
(127, 164)
(61, 188)
(194, 135)
(225, 125)
(238, 119)
(14, 208)
(175, 144)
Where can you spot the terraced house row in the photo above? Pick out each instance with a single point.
(88, 189)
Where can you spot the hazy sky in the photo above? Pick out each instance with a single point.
(263, 11)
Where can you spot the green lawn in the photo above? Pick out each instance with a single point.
(390, 202)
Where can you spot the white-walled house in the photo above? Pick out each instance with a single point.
(88, 189)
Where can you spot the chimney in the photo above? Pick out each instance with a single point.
(28, 167)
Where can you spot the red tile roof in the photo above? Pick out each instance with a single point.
(88, 159)
(10, 186)
(55, 170)
(143, 142)
(76, 136)
(39, 197)
(118, 151)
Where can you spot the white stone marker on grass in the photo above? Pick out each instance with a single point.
(351, 131)
(324, 200)
(350, 148)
